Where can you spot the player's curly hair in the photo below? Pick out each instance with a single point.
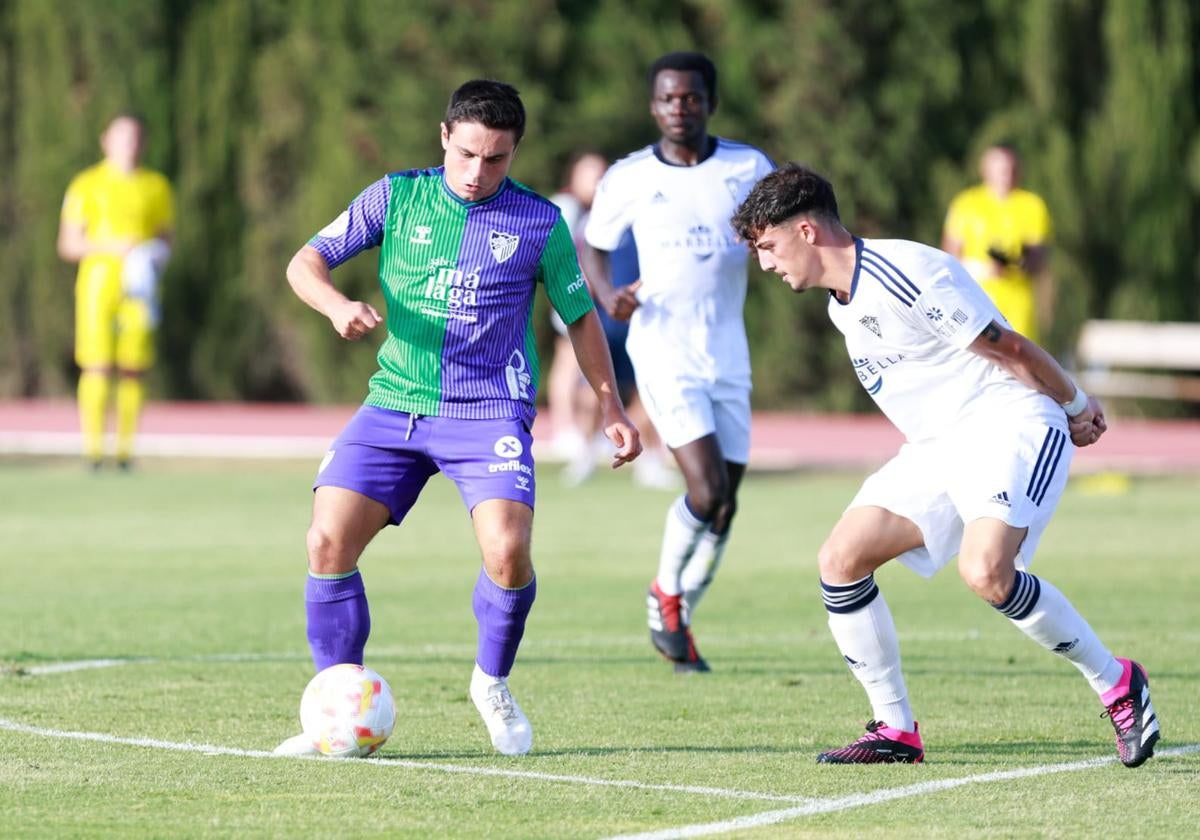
(488, 102)
(687, 62)
(789, 191)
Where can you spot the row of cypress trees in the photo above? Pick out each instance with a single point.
(269, 115)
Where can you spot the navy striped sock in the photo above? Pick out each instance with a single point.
(1023, 598)
(849, 597)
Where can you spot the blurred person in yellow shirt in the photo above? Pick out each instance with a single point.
(116, 222)
(1000, 233)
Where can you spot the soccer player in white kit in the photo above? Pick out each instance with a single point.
(687, 339)
(990, 421)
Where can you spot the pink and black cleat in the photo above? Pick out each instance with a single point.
(882, 744)
(1132, 716)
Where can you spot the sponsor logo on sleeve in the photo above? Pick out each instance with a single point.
(575, 285)
(337, 228)
(943, 326)
(325, 461)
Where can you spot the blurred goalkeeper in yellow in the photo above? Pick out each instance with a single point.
(1000, 233)
(116, 223)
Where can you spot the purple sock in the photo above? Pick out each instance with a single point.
(501, 615)
(338, 619)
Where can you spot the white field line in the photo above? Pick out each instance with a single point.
(807, 806)
(211, 749)
(859, 800)
(83, 665)
(608, 642)
(91, 664)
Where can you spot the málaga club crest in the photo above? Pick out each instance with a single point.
(503, 245)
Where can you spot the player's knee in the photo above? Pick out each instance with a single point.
(989, 578)
(327, 553)
(724, 515)
(509, 567)
(708, 499)
(507, 559)
(839, 563)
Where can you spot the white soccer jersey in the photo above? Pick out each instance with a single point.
(913, 310)
(693, 269)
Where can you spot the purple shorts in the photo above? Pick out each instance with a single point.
(389, 455)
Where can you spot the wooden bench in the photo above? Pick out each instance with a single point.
(1140, 359)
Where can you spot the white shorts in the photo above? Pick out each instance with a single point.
(1013, 472)
(686, 409)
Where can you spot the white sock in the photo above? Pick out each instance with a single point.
(699, 572)
(862, 626)
(680, 534)
(1045, 615)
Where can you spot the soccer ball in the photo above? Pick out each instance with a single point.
(347, 710)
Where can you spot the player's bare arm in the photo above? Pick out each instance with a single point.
(620, 302)
(308, 274)
(1033, 366)
(591, 351)
(952, 246)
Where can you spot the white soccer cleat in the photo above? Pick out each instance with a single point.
(297, 745)
(510, 730)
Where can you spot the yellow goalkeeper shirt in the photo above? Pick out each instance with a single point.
(982, 221)
(111, 204)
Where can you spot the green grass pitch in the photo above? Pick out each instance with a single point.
(191, 573)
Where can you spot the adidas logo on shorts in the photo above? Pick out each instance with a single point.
(1001, 498)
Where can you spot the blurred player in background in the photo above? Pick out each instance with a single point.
(687, 338)
(463, 249)
(117, 220)
(574, 414)
(990, 421)
(1001, 233)
(569, 419)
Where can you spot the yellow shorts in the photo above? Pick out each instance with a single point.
(1015, 300)
(111, 330)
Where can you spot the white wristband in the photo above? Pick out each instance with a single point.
(1077, 404)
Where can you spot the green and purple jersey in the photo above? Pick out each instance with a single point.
(459, 279)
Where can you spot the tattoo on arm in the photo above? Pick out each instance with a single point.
(992, 332)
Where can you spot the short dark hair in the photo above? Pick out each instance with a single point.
(789, 191)
(487, 102)
(688, 62)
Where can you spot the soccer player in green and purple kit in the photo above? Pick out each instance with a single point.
(462, 249)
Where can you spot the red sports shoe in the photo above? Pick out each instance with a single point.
(668, 633)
